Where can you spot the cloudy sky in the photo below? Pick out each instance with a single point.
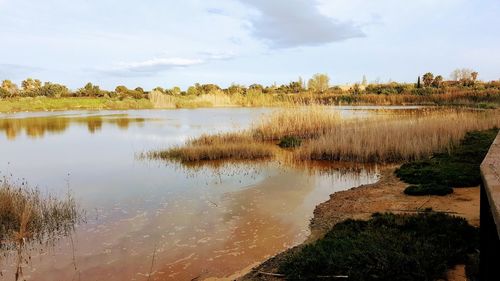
(165, 43)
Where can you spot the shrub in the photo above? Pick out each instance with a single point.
(289, 142)
(386, 247)
(428, 189)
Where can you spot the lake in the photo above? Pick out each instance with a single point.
(156, 219)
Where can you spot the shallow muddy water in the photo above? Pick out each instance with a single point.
(155, 219)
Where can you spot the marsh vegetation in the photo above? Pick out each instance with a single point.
(386, 247)
(324, 135)
(29, 218)
(443, 171)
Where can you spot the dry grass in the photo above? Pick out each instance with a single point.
(232, 151)
(27, 216)
(302, 122)
(392, 139)
(326, 136)
(27, 219)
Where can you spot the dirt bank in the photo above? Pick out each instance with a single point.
(384, 196)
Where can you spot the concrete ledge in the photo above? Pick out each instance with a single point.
(490, 172)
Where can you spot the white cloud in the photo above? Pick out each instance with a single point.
(158, 64)
(294, 23)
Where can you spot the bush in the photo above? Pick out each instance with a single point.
(386, 247)
(289, 142)
(459, 168)
(428, 189)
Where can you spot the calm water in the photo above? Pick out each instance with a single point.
(155, 218)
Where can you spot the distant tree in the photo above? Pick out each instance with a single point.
(173, 91)
(53, 90)
(295, 87)
(121, 89)
(428, 78)
(89, 90)
(319, 83)
(438, 81)
(236, 89)
(418, 82)
(31, 87)
(257, 87)
(159, 89)
(355, 89)
(140, 90)
(9, 89)
(193, 91)
(474, 75)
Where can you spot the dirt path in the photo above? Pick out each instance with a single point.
(384, 196)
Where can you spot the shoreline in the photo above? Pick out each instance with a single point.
(386, 195)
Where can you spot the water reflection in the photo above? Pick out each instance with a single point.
(37, 127)
(201, 220)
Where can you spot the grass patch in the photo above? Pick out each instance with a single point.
(28, 216)
(289, 142)
(386, 247)
(458, 168)
(249, 151)
(72, 103)
(428, 189)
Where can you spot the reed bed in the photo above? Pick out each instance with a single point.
(393, 139)
(28, 216)
(326, 136)
(301, 122)
(216, 150)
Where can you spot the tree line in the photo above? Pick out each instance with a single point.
(318, 84)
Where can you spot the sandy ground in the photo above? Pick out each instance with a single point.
(384, 196)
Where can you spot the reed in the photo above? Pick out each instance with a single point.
(28, 216)
(396, 138)
(324, 135)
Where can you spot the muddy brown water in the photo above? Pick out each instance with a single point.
(152, 220)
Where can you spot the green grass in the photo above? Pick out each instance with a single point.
(289, 142)
(50, 104)
(459, 168)
(386, 247)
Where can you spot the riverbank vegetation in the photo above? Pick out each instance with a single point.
(457, 168)
(324, 135)
(463, 88)
(28, 218)
(386, 247)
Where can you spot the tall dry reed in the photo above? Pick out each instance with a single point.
(395, 138)
(326, 136)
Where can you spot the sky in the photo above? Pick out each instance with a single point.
(170, 43)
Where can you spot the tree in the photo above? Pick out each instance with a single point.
(236, 89)
(474, 75)
(9, 89)
(53, 90)
(31, 87)
(193, 91)
(438, 81)
(428, 78)
(89, 90)
(418, 82)
(159, 89)
(319, 83)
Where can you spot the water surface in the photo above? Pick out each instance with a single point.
(158, 219)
